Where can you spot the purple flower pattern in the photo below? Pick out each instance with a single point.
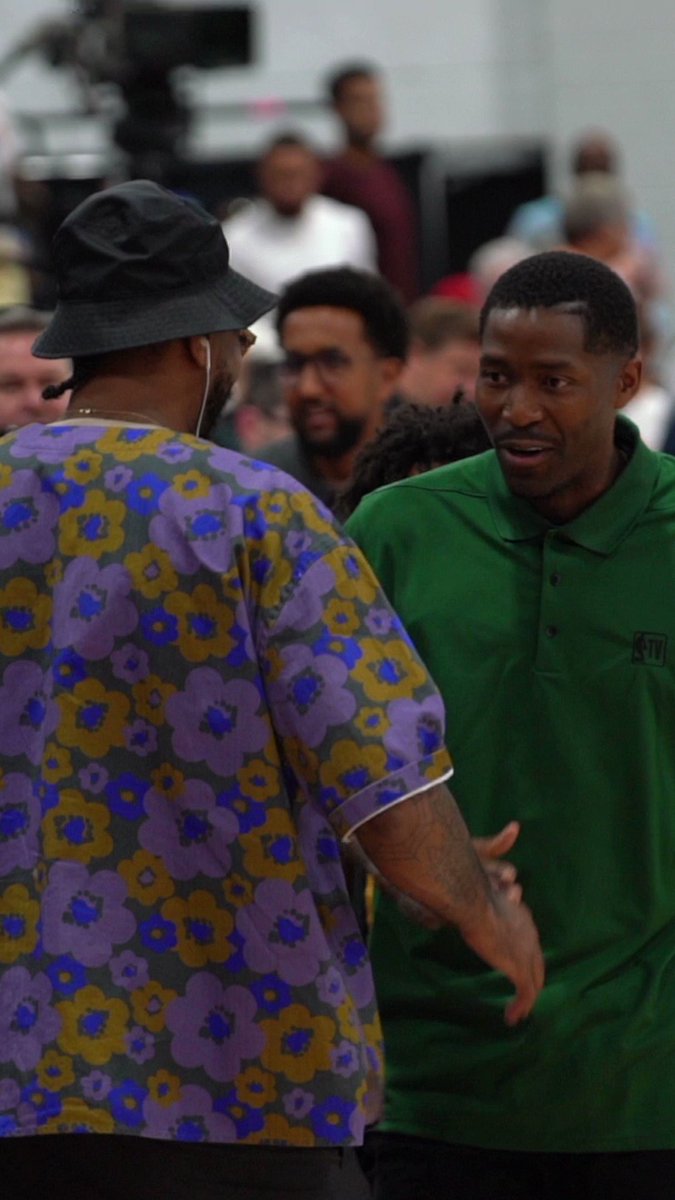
(28, 715)
(85, 914)
(218, 722)
(27, 1019)
(167, 982)
(192, 835)
(28, 517)
(92, 608)
(211, 1017)
(19, 824)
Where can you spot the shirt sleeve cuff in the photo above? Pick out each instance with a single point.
(385, 793)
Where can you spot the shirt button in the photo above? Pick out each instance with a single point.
(551, 631)
(555, 578)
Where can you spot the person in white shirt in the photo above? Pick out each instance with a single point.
(290, 229)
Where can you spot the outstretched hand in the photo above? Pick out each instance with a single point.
(518, 936)
(502, 875)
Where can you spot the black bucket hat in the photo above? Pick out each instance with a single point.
(136, 264)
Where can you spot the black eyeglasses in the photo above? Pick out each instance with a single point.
(330, 365)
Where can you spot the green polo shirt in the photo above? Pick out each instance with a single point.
(554, 648)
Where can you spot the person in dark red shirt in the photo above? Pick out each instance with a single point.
(359, 176)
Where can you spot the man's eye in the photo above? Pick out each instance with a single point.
(493, 377)
(554, 382)
(333, 359)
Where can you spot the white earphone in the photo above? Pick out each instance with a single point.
(206, 343)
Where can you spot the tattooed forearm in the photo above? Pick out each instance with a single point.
(422, 848)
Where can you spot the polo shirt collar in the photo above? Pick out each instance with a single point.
(601, 526)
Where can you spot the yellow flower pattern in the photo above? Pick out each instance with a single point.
(94, 1026)
(95, 529)
(25, 617)
(197, 700)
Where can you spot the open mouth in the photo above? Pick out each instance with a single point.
(524, 453)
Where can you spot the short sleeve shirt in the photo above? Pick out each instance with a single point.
(554, 649)
(201, 690)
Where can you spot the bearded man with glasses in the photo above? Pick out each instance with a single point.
(344, 335)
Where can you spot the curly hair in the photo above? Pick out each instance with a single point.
(578, 285)
(416, 438)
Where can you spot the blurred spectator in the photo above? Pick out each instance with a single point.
(596, 221)
(290, 229)
(34, 222)
(653, 408)
(539, 222)
(23, 377)
(358, 175)
(9, 153)
(492, 259)
(444, 352)
(15, 283)
(416, 438)
(485, 266)
(259, 416)
(344, 334)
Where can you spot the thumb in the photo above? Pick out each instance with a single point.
(501, 843)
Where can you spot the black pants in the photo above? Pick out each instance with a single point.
(100, 1167)
(410, 1168)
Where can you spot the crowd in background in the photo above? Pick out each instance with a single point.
(354, 210)
(348, 378)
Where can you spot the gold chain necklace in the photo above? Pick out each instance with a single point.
(117, 415)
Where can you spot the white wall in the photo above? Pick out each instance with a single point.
(611, 65)
(444, 61)
(457, 71)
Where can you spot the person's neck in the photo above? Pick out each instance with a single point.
(337, 472)
(360, 153)
(285, 215)
(113, 399)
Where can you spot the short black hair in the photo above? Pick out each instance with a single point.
(416, 438)
(577, 284)
(344, 74)
(363, 292)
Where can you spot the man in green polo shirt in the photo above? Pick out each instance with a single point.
(538, 582)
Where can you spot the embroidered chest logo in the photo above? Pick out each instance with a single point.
(649, 649)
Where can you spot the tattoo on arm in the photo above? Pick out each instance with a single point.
(422, 847)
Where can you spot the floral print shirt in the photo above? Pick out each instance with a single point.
(202, 690)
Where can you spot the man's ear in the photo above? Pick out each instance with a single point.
(628, 384)
(198, 349)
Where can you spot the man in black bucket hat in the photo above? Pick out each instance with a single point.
(186, 731)
(136, 267)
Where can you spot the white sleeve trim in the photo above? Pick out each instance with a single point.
(417, 792)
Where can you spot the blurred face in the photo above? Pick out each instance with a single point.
(596, 154)
(335, 383)
(289, 175)
(360, 107)
(441, 373)
(549, 406)
(22, 380)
